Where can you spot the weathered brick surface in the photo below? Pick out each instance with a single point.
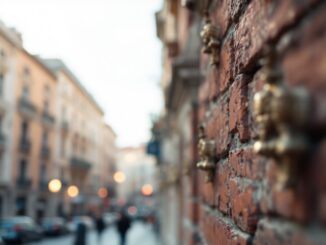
(218, 230)
(276, 232)
(243, 206)
(245, 203)
(308, 50)
(238, 107)
(218, 126)
(227, 13)
(244, 163)
(226, 72)
(262, 22)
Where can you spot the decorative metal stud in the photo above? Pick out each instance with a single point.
(281, 114)
(206, 150)
(211, 42)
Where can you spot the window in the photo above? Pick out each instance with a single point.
(45, 137)
(46, 100)
(43, 173)
(63, 147)
(24, 130)
(46, 105)
(26, 83)
(1, 84)
(22, 169)
(26, 91)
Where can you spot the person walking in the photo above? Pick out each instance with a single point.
(100, 227)
(80, 238)
(123, 226)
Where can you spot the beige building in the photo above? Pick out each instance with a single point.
(82, 139)
(51, 127)
(28, 119)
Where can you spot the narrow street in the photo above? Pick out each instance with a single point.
(139, 233)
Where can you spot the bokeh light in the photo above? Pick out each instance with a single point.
(102, 192)
(55, 185)
(73, 191)
(119, 177)
(147, 190)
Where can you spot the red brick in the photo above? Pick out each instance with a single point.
(244, 208)
(276, 232)
(264, 21)
(207, 191)
(218, 127)
(222, 192)
(238, 107)
(203, 94)
(227, 12)
(226, 74)
(214, 85)
(218, 230)
(245, 163)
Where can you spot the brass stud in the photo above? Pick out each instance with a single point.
(206, 150)
(211, 42)
(281, 114)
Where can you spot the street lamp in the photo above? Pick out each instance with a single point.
(102, 192)
(55, 185)
(147, 190)
(119, 177)
(72, 191)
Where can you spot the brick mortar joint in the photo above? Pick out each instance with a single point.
(225, 218)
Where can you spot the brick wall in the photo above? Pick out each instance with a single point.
(244, 204)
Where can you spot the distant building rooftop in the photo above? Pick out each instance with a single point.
(58, 65)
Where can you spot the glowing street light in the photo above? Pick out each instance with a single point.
(147, 190)
(119, 177)
(55, 185)
(72, 191)
(102, 192)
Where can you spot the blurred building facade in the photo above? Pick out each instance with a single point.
(138, 168)
(223, 179)
(53, 129)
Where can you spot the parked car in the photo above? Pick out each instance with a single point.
(88, 221)
(54, 226)
(1, 241)
(19, 229)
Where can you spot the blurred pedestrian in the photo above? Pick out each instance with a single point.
(123, 226)
(100, 226)
(80, 234)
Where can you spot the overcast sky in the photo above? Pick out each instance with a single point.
(110, 45)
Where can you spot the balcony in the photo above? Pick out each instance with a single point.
(25, 145)
(48, 118)
(27, 107)
(79, 163)
(45, 151)
(23, 183)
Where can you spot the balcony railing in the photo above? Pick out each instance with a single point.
(45, 151)
(23, 183)
(25, 145)
(26, 106)
(48, 118)
(79, 163)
